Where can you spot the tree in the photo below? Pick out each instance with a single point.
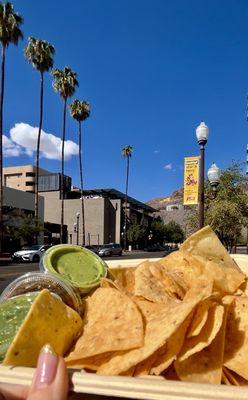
(65, 83)
(10, 32)
(228, 212)
(136, 233)
(40, 54)
(127, 153)
(158, 232)
(174, 232)
(27, 228)
(80, 111)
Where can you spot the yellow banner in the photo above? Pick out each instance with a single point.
(191, 178)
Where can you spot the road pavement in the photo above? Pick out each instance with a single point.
(10, 271)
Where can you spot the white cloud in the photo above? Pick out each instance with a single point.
(10, 149)
(168, 166)
(24, 137)
(156, 151)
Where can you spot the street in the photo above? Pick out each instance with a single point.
(11, 271)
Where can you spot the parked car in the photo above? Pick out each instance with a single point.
(94, 247)
(30, 253)
(154, 247)
(111, 249)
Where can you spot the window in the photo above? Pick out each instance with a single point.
(30, 174)
(29, 183)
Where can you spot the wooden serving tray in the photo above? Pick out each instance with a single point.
(152, 388)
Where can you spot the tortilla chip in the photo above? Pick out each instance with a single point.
(49, 320)
(205, 366)
(124, 277)
(144, 367)
(206, 336)
(158, 330)
(205, 244)
(200, 318)
(91, 363)
(234, 378)
(236, 347)
(149, 286)
(172, 347)
(224, 378)
(184, 268)
(112, 323)
(170, 374)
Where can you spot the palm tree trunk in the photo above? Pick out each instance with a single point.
(1, 146)
(36, 207)
(81, 180)
(62, 175)
(125, 222)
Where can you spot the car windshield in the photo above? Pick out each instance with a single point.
(107, 246)
(34, 247)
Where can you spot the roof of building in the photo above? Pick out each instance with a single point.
(116, 194)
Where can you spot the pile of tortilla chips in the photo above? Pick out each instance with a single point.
(183, 317)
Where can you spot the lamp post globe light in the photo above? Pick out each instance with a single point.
(214, 178)
(202, 132)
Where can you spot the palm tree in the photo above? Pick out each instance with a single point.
(80, 111)
(127, 153)
(40, 54)
(65, 83)
(10, 32)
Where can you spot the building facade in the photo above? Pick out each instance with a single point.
(18, 203)
(104, 208)
(21, 177)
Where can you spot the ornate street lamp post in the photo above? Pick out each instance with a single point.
(213, 172)
(202, 138)
(78, 215)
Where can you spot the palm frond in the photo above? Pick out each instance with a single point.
(10, 23)
(40, 54)
(127, 151)
(64, 81)
(80, 110)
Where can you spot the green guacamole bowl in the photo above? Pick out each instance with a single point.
(80, 266)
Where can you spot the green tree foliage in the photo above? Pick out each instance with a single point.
(158, 232)
(136, 233)
(80, 111)
(228, 212)
(174, 232)
(27, 229)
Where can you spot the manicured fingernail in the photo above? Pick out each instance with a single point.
(46, 367)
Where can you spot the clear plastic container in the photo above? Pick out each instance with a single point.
(76, 265)
(33, 282)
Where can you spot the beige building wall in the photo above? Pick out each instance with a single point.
(95, 212)
(21, 177)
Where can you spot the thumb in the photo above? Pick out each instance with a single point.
(50, 379)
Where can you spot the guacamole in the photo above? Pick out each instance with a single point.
(80, 266)
(12, 314)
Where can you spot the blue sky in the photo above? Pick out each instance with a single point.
(151, 70)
